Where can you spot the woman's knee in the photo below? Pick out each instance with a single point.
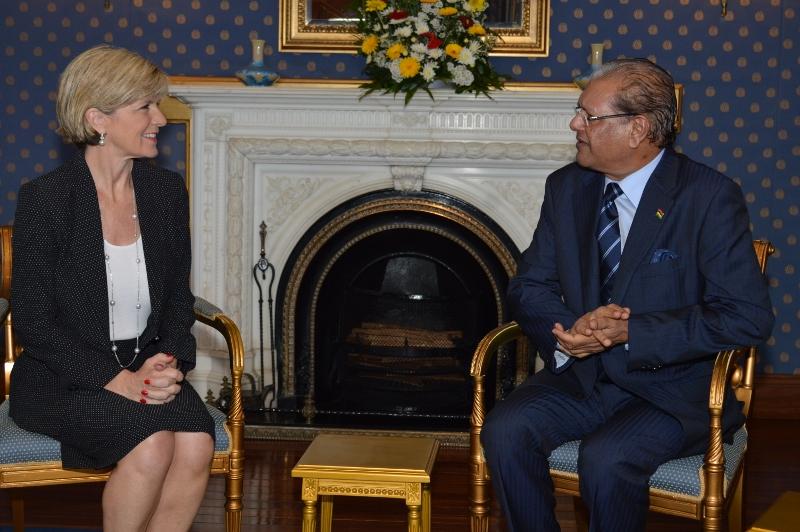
(153, 456)
(194, 449)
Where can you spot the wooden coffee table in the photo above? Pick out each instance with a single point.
(367, 466)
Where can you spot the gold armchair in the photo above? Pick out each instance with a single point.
(710, 484)
(28, 459)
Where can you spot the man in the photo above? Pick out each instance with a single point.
(641, 268)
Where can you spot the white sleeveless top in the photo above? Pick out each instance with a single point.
(122, 265)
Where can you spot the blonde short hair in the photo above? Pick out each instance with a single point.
(107, 78)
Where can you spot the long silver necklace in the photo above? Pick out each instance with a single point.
(112, 302)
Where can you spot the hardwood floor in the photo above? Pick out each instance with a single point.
(272, 497)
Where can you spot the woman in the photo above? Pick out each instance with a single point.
(102, 305)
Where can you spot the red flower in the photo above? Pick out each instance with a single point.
(433, 40)
(466, 21)
(398, 15)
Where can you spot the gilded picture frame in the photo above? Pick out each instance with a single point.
(526, 34)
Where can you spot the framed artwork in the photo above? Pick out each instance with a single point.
(175, 138)
(329, 26)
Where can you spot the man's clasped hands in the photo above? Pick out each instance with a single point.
(594, 332)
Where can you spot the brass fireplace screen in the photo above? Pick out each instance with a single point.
(385, 300)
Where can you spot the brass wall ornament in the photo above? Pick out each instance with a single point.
(330, 26)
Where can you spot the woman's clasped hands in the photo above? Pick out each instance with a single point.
(156, 382)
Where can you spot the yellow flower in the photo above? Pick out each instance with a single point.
(395, 51)
(476, 5)
(409, 67)
(447, 11)
(375, 5)
(476, 29)
(370, 44)
(453, 50)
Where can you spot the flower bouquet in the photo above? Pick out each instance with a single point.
(409, 44)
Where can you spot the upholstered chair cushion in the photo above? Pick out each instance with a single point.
(680, 476)
(18, 445)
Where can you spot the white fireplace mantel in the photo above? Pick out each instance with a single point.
(288, 154)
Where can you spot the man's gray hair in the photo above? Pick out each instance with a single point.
(645, 89)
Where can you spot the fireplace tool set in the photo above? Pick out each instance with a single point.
(256, 399)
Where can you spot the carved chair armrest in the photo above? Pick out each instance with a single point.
(726, 371)
(487, 348)
(212, 316)
(489, 345)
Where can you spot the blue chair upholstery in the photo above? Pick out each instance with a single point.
(683, 476)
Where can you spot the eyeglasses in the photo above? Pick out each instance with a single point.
(587, 118)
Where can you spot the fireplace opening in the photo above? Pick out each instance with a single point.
(382, 307)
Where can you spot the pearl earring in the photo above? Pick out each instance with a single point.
(102, 141)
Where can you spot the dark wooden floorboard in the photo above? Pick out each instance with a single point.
(272, 497)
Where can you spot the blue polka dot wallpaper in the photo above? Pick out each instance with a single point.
(741, 77)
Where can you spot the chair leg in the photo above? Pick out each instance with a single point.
(479, 498)
(581, 515)
(17, 510)
(234, 483)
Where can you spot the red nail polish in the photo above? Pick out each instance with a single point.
(169, 355)
(147, 381)
(143, 401)
(144, 392)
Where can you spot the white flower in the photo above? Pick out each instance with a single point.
(376, 27)
(419, 48)
(436, 23)
(429, 71)
(461, 74)
(466, 57)
(435, 53)
(422, 27)
(394, 69)
(405, 31)
(475, 46)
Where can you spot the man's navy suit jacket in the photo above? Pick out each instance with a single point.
(688, 273)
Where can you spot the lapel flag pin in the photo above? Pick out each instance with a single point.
(660, 214)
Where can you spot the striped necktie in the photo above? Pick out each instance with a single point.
(609, 241)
